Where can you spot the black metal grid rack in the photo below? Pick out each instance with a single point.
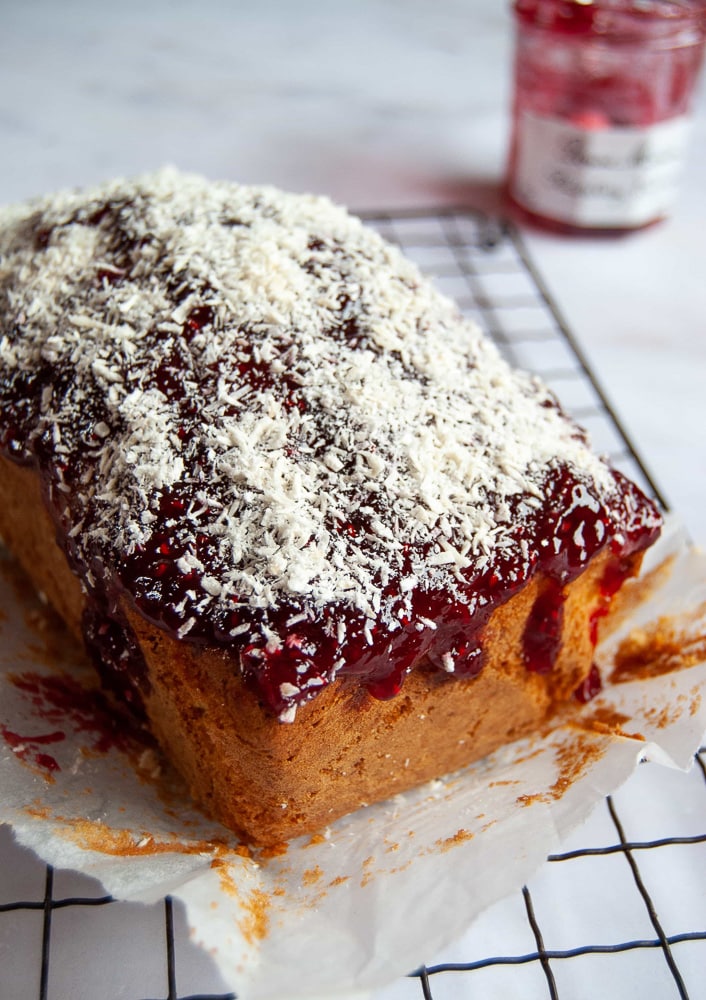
(619, 913)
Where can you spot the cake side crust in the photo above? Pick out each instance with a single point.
(346, 749)
(27, 529)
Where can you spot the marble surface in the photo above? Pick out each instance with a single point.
(380, 104)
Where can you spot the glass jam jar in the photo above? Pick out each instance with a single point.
(603, 91)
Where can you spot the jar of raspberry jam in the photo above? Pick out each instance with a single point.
(603, 91)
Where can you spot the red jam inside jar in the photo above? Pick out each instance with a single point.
(602, 96)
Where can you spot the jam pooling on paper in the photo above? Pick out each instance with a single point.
(27, 748)
(61, 705)
(287, 649)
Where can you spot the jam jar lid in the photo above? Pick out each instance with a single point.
(680, 22)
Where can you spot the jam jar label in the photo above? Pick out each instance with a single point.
(589, 172)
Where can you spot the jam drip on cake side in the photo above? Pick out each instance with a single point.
(427, 595)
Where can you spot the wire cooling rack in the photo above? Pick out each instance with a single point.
(620, 913)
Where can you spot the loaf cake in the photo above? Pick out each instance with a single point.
(303, 515)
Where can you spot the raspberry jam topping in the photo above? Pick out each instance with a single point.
(299, 452)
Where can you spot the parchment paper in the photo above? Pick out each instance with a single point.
(380, 888)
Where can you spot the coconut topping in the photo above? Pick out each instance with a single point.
(256, 418)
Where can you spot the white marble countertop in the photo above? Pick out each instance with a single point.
(382, 104)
